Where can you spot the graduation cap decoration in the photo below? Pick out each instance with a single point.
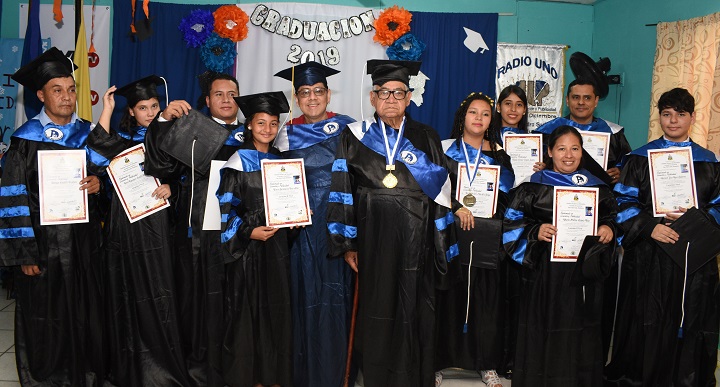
(594, 262)
(702, 234)
(307, 74)
(382, 71)
(50, 64)
(273, 103)
(474, 253)
(194, 139)
(142, 89)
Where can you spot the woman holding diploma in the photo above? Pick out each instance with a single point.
(258, 330)
(142, 340)
(470, 325)
(558, 341)
(666, 330)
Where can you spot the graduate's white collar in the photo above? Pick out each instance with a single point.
(222, 122)
(685, 140)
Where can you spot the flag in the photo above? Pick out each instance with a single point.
(28, 104)
(82, 74)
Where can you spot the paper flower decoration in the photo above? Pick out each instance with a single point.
(197, 27)
(218, 53)
(392, 23)
(407, 47)
(231, 22)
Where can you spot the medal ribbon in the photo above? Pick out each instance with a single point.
(467, 161)
(390, 157)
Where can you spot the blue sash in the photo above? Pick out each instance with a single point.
(236, 136)
(699, 153)
(597, 125)
(137, 135)
(454, 151)
(433, 179)
(72, 135)
(579, 178)
(247, 160)
(301, 136)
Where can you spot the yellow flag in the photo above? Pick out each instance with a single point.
(82, 74)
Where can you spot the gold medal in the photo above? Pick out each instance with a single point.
(390, 181)
(469, 200)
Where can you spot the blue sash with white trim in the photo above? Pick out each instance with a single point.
(454, 151)
(247, 160)
(72, 135)
(433, 179)
(699, 153)
(301, 136)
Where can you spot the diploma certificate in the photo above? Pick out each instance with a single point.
(525, 150)
(133, 187)
(212, 219)
(61, 199)
(575, 216)
(597, 145)
(481, 196)
(285, 193)
(672, 179)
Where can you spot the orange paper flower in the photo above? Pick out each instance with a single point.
(231, 22)
(392, 23)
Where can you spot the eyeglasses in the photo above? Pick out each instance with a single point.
(385, 94)
(318, 91)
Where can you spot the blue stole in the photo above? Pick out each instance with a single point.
(597, 125)
(301, 136)
(137, 135)
(72, 135)
(699, 153)
(455, 152)
(579, 178)
(247, 160)
(236, 136)
(433, 179)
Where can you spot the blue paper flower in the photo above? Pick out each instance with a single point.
(197, 27)
(406, 47)
(218, 53)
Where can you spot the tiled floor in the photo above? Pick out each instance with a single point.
(9, 378)
(8, 372)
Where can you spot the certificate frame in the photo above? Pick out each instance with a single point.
(59, 175)
(590, 144)
(133, 187)
(661, 163)
(285, 193)
(575, 214)
(484, 187)
(520, 148)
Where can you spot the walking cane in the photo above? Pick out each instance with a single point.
(352, 334)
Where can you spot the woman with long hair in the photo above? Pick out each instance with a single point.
(470, 298)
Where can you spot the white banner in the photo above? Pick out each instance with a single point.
(284, 34)
(62, 36)
(537, 69)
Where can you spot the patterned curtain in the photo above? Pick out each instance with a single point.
(688, 55)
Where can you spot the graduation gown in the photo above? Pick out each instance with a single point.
(58, 315)
(199, 269)
(646, 348)
(320, 284)
(558, 341)
(141, 321)
(402, 236)
(258, 325)
(475, 343)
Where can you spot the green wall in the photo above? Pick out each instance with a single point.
(620, 33)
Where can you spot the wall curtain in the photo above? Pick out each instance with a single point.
(688, 55)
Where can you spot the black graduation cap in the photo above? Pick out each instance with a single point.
(50, 64)
(594, 262)
(141, 89)
(484, 255)
(382, 71)
(702, 234)
(307, 74)
(272, 102)
(208, 135)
